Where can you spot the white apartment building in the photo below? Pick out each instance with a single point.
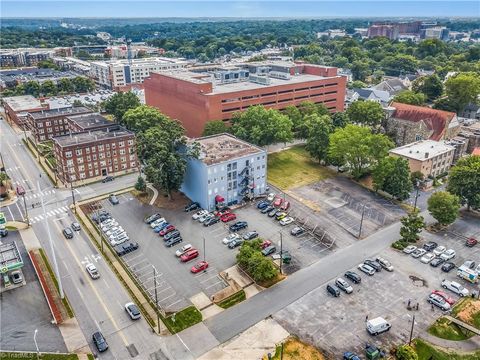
(117, 73)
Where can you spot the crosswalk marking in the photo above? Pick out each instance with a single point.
(50, 213)
(38, 195)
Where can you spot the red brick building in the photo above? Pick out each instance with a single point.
(18, 107)
(88, 122)
(200, 94)
(90, 156)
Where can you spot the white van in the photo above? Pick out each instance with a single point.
(466, 273)
(377, 326)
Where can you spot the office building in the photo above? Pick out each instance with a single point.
(216, 92)
(87, 122)
(14, 77)
(228, 171)
(18, 107)
(24, 57)
(390, 31)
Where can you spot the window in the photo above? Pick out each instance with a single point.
(209, 181)
(229, 167)
(234, 166)
(122, 151)
(80, 160)
(48, 123)
(121, 144)
(78, 152)
(132, 164)
(418, 137)
(130, 142)
(100, 148)
(123, 159)
(68, 154)
(95, 157)
(69, 162)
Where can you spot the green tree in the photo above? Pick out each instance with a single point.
(141, 185)
(444, 207)
(366, 113)
(32, 88)
(357, 149)
(416, 178)
(445, 104)
(392, 176)
(83, 84)
(77, 103)
(406, 352)
(340, 119)
(431, 86)
(412, 226)
(430, 47)
(464, 181)
(463, 89)
(48, 88)
(66, 86)
(214, 127)
(47, 64)
(120, 103)
(357, 84)
(320, 128)
(262, 126)
(143, 117)
(360, 70)
(410, 97)
(298, 124)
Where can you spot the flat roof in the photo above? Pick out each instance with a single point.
(94, 98)
(10, 257)
(45, 114)
(219, 148)
(422, 150)
(22, 103)
(86, 121)
(92, 136)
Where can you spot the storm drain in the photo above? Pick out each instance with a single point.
(132, 350)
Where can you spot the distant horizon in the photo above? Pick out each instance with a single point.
(281, 10)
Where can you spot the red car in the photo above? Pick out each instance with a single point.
(277, 202)
(200, 266)
(222, 213)
(471, 242)
(165, 231)
(189, 255)
(20, 190)
(228, 217)
(265, 244)
(445, 297)
(285, 205)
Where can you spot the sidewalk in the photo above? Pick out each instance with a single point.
(469, 345)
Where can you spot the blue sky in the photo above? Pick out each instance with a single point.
(266, 8)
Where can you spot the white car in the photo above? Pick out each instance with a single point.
(286, 221)
(343, 285)
(367, 269)
(114, 230)
(384, 263)
(439, 250)
(132, 311)
(205, 217)
(449, 254)
(271, 196)
(183, 249)
(157, 222)
(227, 240)
(455, 287)
(477, 269)
(92, 271)
(418, 253)
(409, 249)
(106, 226)
(199, 214)
(427, 258)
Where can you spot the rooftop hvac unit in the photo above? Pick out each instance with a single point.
(264, 80)
(279, 75)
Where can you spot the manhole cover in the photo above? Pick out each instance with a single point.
(418, 281)
(132, 350)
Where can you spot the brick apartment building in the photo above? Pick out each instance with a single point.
(200, 94)
(90, 156)
(46, 124)
(88, 122)
(18, 107)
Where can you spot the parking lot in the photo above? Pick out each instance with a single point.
(338, 324)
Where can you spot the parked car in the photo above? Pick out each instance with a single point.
(173, 241)
(418, 253)
(166, 230)
(439, 250)
(373, 264)
(92, 271)
(172, 235)
(269, 250)
(239, 225)
(445, 297)
(265, 243)
(125, 248)
(342, 284)
(192, 206)
(285, 206)
(448, 266)
(350, 356)
(16, 277)
(159, 228)
(353, 276)
(107, 179)
(297, 230)
(113, 199)
(267, 209)
(470, 242)
(427, 258)
(68, 233)
(281, 216)
(448, 254)
(199, 214)
(455, 287)
(277, 202)
(3, 232)
(222, 213)
(234, 243)
(200, 266)
(99, 341)
(286, 221)
(409, 249)
(183, 250)
(263, 204)
(367, 269)
(189, 255)
(385, 264)
(377, 326)
(250, 235)
(429, 246)
(470, 264)
(273, 212)
(436, 262)
(333, 290)
(76, 226)
(233, 236)
(228, 217)
(205, 217)
(271, 196)
(132, 311)
(157, 222)
(211, 221)
(438, 301)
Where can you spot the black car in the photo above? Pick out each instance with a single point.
(100, 341)
(108, 179)
(125, 248)
(234, 243)
(333, 290)
(437, 262)
(250, 235)
(3, 232)
(448, 266)
(211, 221)
(373, 264)
(262, 204)
(100, 216)
(152, 218)
(113, 199)
(68, 233)
(297, 230)
(429, 246)
(273, 212)
(353, 276)
(173, 241)
(239, 225)
(192, 206)
(172, 235)
(267, 209)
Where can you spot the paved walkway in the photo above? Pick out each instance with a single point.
(155, 193)
(470, 345)
(463, 324)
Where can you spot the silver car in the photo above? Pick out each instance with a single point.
(132, 311)
(367, 269)
(342, 284)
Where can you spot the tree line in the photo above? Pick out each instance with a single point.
(79, 84)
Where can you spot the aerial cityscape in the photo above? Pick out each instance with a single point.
(236, 180)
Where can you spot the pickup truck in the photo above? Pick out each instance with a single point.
(455, 287)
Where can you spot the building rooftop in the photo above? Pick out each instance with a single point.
(92, 120)
(422, 150)
(22, 103)
(56, 102)
(141, 61)
(92, 136)
(10, 257)
(219, 148)
(45, 114)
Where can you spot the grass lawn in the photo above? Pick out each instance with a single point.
(33, 356)
(294, 167)
(442, 328)
(294, 349)
(425, 351)
(183, 319)
(468, 310)
(232, 300)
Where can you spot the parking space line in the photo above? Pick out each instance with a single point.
(176, 302)
(210, 278)
(218, 282)
(129, 260)
(146, 266)
(203, 273)
(134, 266)
(168, 297)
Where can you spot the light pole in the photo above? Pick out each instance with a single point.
(204, 254)
(156, 297)
(26, 211)
(361, 222)
(281, 251)
(73, 194)
(36, 345)
(416, 196)
(411, 331)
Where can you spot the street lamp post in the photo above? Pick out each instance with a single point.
(73, 195)
(281, 251)
(411, 331)
(361, 222)
(416, 196)
(26, 211)
(156, 297)
(35, 341)
(204, 254)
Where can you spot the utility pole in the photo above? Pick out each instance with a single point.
(281, 251)
(416, 196)
(57, 272)
(361, 222)
(411, 331)
(73, 194)
(156, 296)
(204, 254)
(26, 211)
